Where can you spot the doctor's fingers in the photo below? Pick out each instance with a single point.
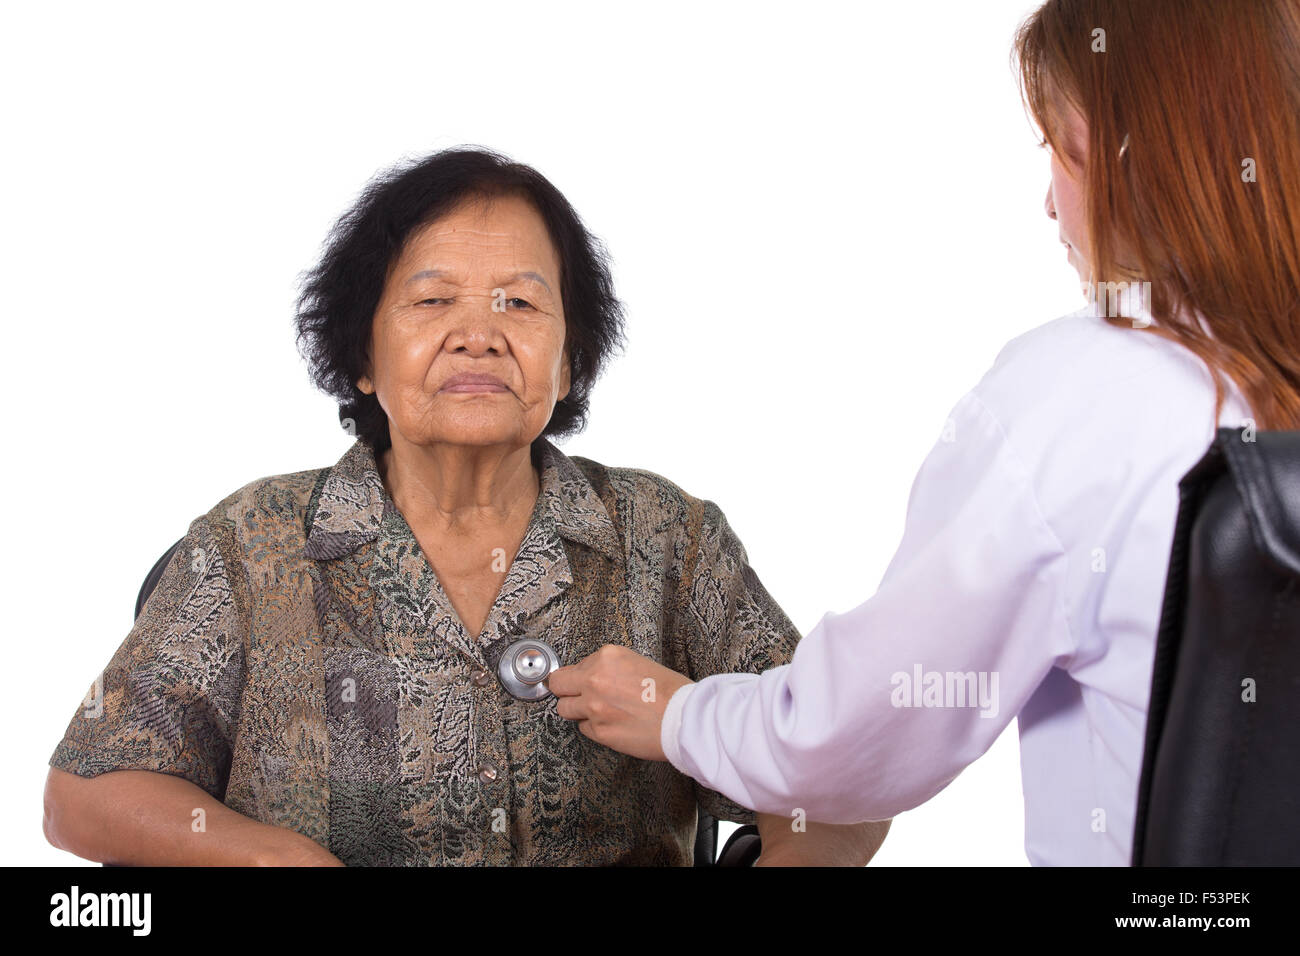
(602, 669)
(566, 681)
(575, 707)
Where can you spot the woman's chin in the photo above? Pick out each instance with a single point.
(474, 430)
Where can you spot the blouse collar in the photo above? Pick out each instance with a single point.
(347, 508)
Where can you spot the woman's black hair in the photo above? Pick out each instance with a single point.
(338, 298)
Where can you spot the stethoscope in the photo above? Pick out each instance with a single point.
(524, 667)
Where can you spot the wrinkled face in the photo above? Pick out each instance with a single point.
(1065, 199)
(468, 340)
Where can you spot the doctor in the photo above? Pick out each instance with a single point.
(1029, 579)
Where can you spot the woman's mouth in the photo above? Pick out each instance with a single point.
(473, 382)
(472, 387)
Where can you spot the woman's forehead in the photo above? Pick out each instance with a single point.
(509, 228)
(490, 213)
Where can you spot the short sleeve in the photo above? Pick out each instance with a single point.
(731, 623)
(168, 700)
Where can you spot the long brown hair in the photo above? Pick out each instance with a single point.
(1192, 172)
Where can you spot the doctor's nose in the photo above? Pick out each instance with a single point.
(1049, 205)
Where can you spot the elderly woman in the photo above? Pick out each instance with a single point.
(343, 665)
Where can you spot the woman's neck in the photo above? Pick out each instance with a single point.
(453, 487)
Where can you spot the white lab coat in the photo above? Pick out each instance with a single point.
(1033, 559)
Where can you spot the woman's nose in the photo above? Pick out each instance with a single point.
(477, 328)
(1049, 205)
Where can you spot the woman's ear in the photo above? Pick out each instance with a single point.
(565, 374)
(365, 383)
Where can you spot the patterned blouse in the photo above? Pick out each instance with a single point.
(299, 661)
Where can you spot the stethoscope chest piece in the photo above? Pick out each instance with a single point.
(524, 667)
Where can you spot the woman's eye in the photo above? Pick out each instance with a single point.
(514, 303)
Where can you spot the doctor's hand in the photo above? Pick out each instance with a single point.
(618, 698)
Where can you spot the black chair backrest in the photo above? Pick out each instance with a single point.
(1220, 783)
(151, 579)
(706, 839)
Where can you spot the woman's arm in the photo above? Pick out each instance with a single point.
(150, 745)
(820, 844)
(143, 818)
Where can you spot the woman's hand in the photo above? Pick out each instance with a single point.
(618, 698)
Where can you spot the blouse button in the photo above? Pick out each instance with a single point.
(480, 677)
(487, 773)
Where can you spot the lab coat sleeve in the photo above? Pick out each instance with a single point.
(882, 706)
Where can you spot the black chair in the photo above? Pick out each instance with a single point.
(741, 849)
(151, 579)
(1220, 782)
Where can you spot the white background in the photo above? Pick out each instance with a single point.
(825, 220)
